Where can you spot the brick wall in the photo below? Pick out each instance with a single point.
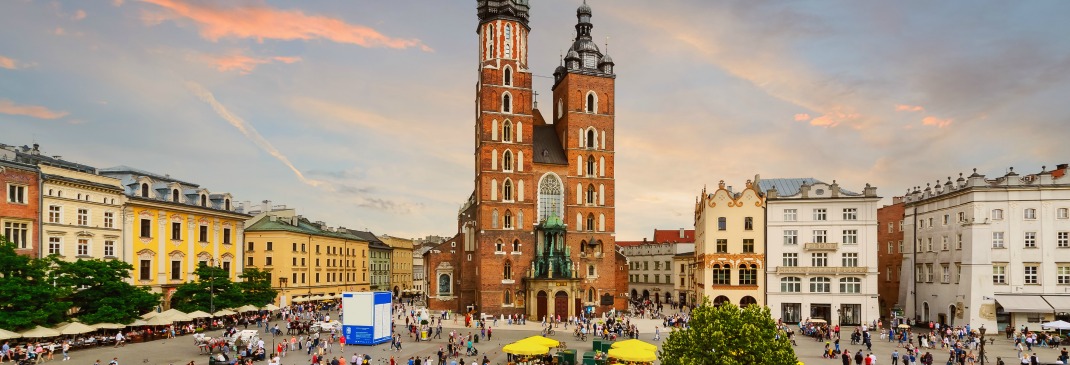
(888, 287)
(30, 212)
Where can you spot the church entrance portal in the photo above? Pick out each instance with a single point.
(540, 306)
(561, 304)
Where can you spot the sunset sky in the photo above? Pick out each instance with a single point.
(360, 113)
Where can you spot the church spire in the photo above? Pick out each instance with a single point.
(503, 9)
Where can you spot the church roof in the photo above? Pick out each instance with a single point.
(547, 147)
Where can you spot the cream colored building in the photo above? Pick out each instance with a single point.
(400, 264)
(81, 213)
(730, 245)
(683, 266)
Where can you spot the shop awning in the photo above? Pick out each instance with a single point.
(1061, 303)
(1024, 304)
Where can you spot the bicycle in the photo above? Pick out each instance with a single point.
(580, 336)
(548, 331)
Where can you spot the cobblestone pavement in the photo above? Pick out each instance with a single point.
(181, 350)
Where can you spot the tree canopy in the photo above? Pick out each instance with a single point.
(212, 291)
(103, 294)
(27, 297)
(256, 286)
(728, 335)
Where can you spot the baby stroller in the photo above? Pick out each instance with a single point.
(472, 351)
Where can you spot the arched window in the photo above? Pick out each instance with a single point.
(560, 108)
(444, 284)
(507, 131)
(49, 192)
(507, 190)
(590, 221)
(507, 76)
(748, 274)
(590, 270)
(174, 195)
(79, 196)
(790, 284)
(507, 270)
(590, 194)
(508, 298)
(551, 197)
(60, 193)
(602, 166)
(204, 200)
(590, 166)
(601, 222)
(590, 294)
(498, 246)
(592, 102)
(820, 285)
(226, 204)
(494, 219)
(507, 103)
(508, 220)
(520, 218)
(601, 194)
(493, 189)
(850, 285)
(591, 138)
(508, 41)
(507, 161)
(516, 245)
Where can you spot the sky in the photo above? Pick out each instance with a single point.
(359, 113)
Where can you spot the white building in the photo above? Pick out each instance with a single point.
(650, 269)
(988, 252)
(821, 259)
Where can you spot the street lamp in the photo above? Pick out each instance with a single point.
(982, 330)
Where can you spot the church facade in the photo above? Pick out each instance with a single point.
(536, 236)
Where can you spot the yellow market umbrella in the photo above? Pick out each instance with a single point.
(525, 349)
(40, 332)
(633, 354)
(542, 341)
(633, 343)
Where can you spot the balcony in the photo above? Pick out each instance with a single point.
(821, 246)
(821, 270)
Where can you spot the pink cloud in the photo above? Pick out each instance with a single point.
(936, 122)
(287, 60)
(245, 64)
(908, 108)
(261, 22)
(802, 117)
(8, 63)
(79, 15)
(40, 112)
(835, 117)
(117, 2)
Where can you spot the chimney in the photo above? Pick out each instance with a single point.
(271, 218)
(1060, 170)
(835, 187)
(265, 206)
(771, 194)
(682, 234)
(36, 150)
(805, 190)
(870, 191)
(644, 239)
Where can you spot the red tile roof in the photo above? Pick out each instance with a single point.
(629, 243)
(670, 236)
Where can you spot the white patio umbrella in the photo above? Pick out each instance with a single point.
(40, 332)
(149, 315)
(199, 314)
(247, 308)
(74, 328)
(7, 335)
(108, 326)
(299, 300)
(140, 322)
(175, 315)
(224, 312)
(270, 307)
(1058, 325)
(159, 321)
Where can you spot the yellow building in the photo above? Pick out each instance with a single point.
(81, 214)
(683, 266)
(400, 264)
(171, 226)
(730, 245)
(305, 258)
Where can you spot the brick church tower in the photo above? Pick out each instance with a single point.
(536, 235)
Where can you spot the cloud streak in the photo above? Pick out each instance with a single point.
(248, 131)
(9, 107)
(262, 22)
(908, 108)
(246, 64)
(8, 63)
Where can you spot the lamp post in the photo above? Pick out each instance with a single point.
(982, 330)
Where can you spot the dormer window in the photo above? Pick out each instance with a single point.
(204, 200)
(144, 190)
(226, 204)
(174, 195)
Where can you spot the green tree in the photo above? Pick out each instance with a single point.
(27, 297)
(103, 294)
(728, 335)
(256, 287)
(213, 290)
